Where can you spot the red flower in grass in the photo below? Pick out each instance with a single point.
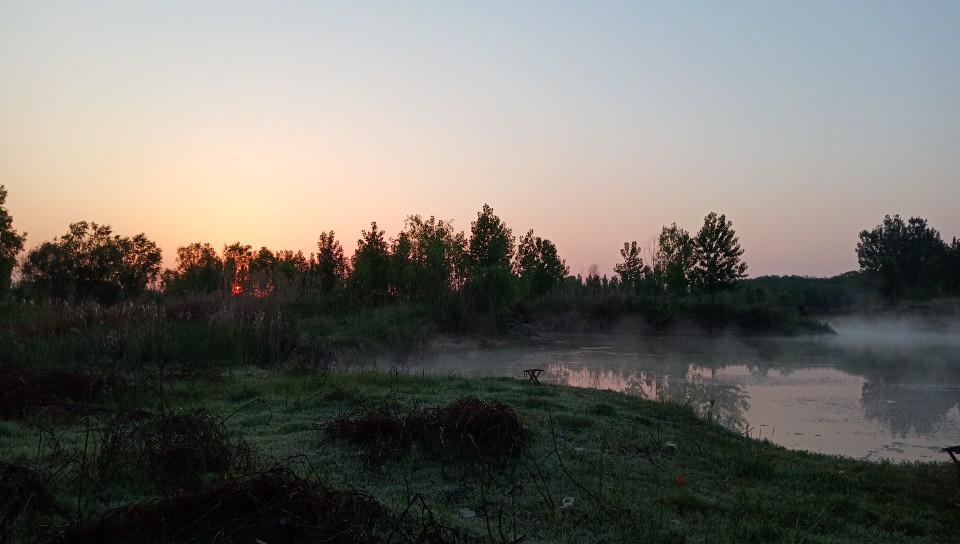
(679, 480)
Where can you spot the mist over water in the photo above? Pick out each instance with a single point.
(879, 389)
(904, 332)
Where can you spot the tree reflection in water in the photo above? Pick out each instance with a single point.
(909, 409)
(911, 374)
(725, 403)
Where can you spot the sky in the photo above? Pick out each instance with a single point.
(593, 123)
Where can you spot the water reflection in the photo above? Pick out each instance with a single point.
(909, 409)
(696, 387)
(860, 396)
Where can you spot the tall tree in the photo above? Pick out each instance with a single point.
(262, 266)
(437, 256)
(96, 253)
(491, 241)
(11, 244)
(49, 268)
(370, 280)
(236, 267)
(539, 265)
(199, 270)
(674, 261)
(953, 265)
(490, 281)
(401, 268)
(632, 271)
(331, 264)
(904, 258)
(292, 269)
(139, 263)
(717, 251)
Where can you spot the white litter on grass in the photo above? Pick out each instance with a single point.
(567, 502)
(467, 513)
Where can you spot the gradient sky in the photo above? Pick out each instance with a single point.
(592, 123)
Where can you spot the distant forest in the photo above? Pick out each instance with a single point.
(487, 277)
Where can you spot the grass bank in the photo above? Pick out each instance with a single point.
(587, 466)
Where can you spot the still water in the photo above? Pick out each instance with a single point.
(873, 391)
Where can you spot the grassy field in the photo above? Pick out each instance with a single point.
(307, 455)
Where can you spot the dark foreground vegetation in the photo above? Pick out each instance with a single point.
(283, 455)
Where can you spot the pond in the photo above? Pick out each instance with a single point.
(876, 390)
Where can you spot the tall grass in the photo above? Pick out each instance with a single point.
(208, 328)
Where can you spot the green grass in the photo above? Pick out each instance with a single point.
(606, 450)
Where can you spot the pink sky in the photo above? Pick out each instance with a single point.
(593, 125)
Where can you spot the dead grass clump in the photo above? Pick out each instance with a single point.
(23, 489)
(172, 447)
(493, 428)
(273, 506)
(26, 389)
(467, 423)
(374, 427)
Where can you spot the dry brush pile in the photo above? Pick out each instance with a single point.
(174, 448)
(35, 393)
(273, 506)
(467, 423)
(24, 491)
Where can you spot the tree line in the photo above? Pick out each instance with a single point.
(428, 259)
(708, 263)
(489, 267)
(908, 260)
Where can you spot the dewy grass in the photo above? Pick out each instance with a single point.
(598, 466)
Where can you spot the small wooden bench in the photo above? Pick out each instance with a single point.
(533, 374)
(952, 451)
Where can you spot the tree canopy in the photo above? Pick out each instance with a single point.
(437, 257)
(331, 264)
(491, 241)
(198, 270)
(490, 281)
(674, 261)
(11, 244)
(90, 262)
(906, 259)
(370, 280)
(539, 265)
(716, 254)
(632, 270)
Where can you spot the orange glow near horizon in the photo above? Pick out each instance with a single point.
(274, 122)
